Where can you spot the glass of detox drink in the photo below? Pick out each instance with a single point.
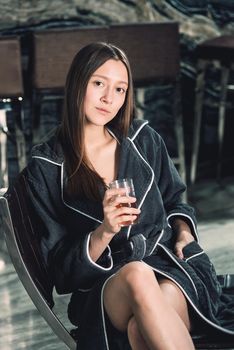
(128, 185)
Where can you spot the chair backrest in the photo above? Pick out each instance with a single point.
(152, 49)
(22, 239)
(11, 80)
(53, 51)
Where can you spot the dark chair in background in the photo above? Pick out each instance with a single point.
(22, 238)
(220, 50)
(53, 51)
(11, 96)
(154, 55)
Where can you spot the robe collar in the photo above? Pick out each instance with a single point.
(132, 164)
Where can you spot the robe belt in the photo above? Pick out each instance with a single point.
(122, 255)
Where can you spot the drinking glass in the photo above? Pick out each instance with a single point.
(128, 185)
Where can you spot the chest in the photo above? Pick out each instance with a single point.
(105, 162)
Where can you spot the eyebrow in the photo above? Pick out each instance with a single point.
(104, 77)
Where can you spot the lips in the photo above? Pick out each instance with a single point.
(103, 110)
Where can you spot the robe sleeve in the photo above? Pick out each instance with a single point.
(64, 246)
(172, 187)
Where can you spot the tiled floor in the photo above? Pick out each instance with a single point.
(21, 326)
(214, 205)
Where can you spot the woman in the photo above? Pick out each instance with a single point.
(149, 281)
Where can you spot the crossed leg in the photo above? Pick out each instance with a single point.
(154, 314)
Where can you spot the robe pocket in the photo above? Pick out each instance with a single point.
(192, 250)
(199, 261)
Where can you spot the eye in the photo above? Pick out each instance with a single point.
(120, 90)
(98, 83)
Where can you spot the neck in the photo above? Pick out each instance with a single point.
(95, 135)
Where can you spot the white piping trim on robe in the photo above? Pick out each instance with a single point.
(93, 262)
(188, 217)
(69, 206)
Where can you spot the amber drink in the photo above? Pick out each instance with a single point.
(127, 184)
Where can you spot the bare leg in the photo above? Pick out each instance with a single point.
(134, 291)
(175, 298)
(135, 338)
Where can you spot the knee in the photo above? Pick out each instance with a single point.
(137, 277)
(135, 273)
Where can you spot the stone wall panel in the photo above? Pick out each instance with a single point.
(198, 19)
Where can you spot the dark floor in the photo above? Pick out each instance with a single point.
(21, 326)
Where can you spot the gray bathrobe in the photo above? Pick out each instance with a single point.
(67, 225)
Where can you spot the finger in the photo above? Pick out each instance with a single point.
(112, 222)
(178, 251)
(114, 192)
(180, 255)
(126, 218)
(124, 199)
(116, 199)
(112, 228)
(119, 201)
(112, 213)
(127, 210)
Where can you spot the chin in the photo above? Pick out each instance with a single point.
(99, 121)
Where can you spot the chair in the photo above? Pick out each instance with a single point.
(11, 93)
(153, 52)
(53, 51)
(21, 235)
(24, 249)
(221, 50)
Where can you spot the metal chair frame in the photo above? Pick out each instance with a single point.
(13, 229)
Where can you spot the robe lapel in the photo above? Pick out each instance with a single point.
(90, 209)
(132, 164)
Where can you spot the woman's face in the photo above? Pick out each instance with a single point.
(106, 92)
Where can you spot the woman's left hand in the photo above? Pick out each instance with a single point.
(184, 236)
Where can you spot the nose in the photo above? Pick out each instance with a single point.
(107, 97)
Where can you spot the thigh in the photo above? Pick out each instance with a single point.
(123, 288)
(175, 297)
(116, 302)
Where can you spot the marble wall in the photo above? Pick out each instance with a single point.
(198, 19)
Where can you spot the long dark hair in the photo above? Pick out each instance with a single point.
(83, 181)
